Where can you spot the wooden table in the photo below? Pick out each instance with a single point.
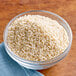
(65, 8)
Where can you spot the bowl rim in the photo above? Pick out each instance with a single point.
(30, 61)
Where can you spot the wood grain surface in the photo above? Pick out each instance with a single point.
(65, 8)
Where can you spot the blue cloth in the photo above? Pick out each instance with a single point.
(8, 67)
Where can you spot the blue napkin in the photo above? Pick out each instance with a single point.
(8, 67)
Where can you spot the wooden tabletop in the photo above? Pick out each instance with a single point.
(65, 8)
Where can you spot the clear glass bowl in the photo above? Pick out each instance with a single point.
(38, 65)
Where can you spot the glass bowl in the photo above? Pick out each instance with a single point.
(38, 65)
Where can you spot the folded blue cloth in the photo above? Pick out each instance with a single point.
(8, 67)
